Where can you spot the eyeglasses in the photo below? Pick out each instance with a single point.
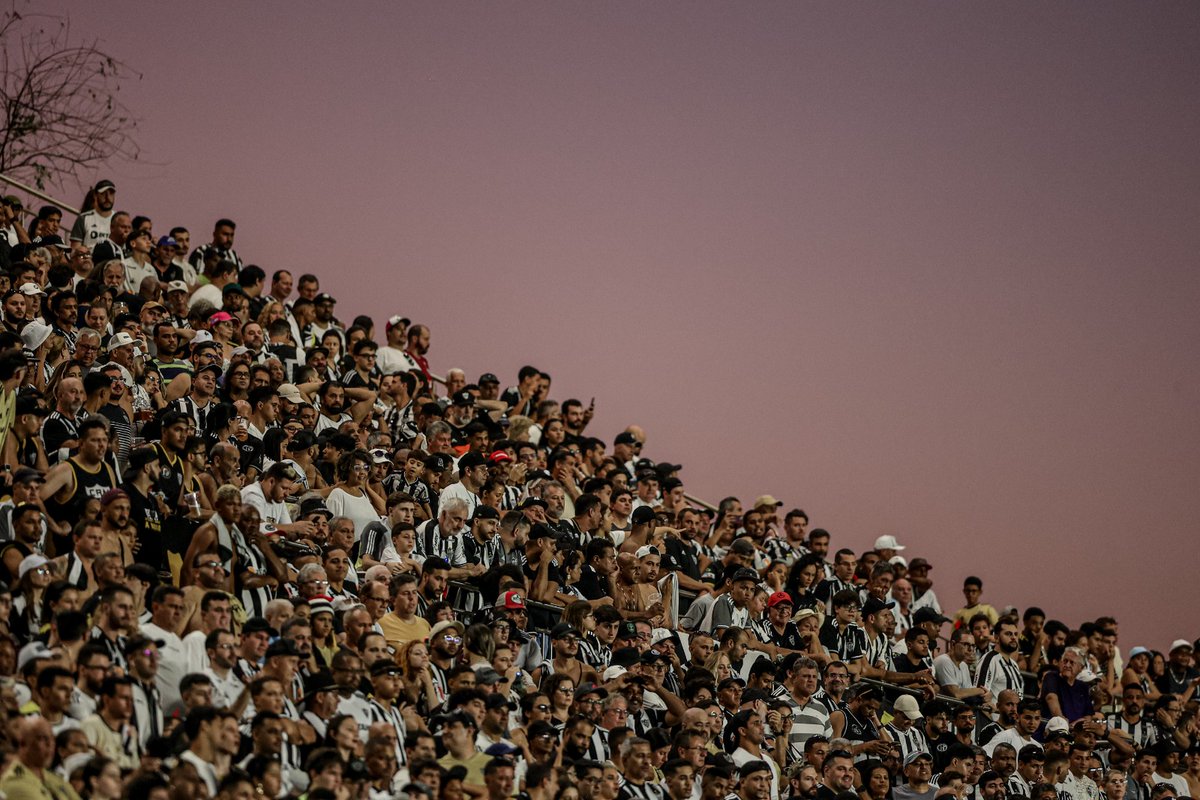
(541, 707)
(567, 689)
(211, 565)
(452, 640)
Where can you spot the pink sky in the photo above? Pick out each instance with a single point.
(924, 269)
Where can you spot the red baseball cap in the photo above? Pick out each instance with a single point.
(498, 456)
(511, 600)
(779, 597)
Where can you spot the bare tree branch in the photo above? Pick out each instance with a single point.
(59, 102)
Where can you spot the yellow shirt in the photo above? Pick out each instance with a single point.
(397, 631)
(20, 783)
(474, 766)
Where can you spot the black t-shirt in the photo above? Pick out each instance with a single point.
(144, 514)
(174, 273)
(352, 380)
(714, 573)
(903, 664)
(790, 638)
(940, 748)
(56, 430)
(680, 558)
(590, 584)
(170, 475)
(251, 454)
(458, 436)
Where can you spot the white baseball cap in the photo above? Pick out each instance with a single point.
(888, 543)
(121, 339)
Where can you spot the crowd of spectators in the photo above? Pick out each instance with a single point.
(252, 548)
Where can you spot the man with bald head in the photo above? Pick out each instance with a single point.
(60, 431)
(29, 775)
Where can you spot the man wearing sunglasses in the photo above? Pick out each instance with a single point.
(445, 642)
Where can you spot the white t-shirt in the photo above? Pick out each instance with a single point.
(273, 513)
(359, 509)
(392, 359)
(91, 228)
(457, 490)
(1009, 737)
(172, 665)
(136, 273)
(741, 756)
(207, 292)
(947, 673)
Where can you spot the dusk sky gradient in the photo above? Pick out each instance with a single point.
(919, 268)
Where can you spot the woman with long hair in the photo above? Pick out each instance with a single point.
(342, 735)
(272, 311)
(718, 664)
(553, 434)
(236, 383)
(320, 618)
(580, 616)
(804, 575)
(266, 772)
(221, 425)
(876, 782)
(26, 615)
(560, 688)
(101, 779)
(572, 568)
(419, 689)
(273, 441)
(59, 596)
(72, 368)
(480, 646)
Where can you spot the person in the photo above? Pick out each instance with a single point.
(903, 729)
(87, 474)
(918, 769)
(94, 225)
(109, 730)
(458, 731)
(810, 717)
(1063, 694)
(837, 775)
(746, 735)
(1076, 784)
(639, 772)
(352, 496)
(858, 721)
(998, 670)
(402, 624)
(876, 782)
(1030, 760)
(29, 774)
